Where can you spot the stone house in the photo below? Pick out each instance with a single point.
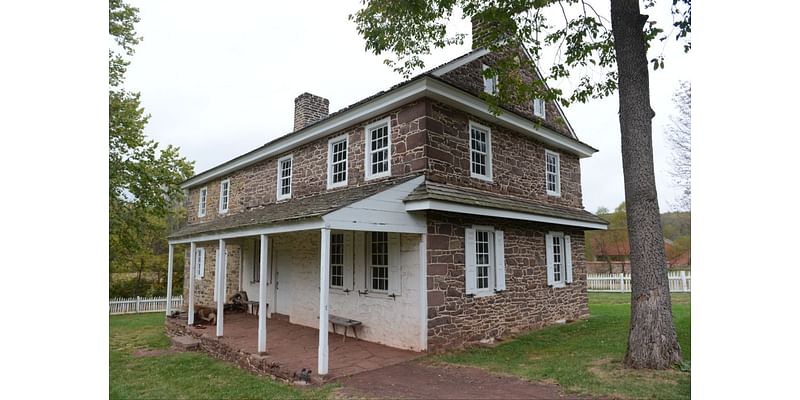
(416, 211)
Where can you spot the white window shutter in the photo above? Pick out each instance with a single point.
(395, 278)
(568, 257)
(470, 273)
(499, 261)
(548, 250)
(347, 270)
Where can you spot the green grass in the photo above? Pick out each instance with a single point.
(585, 357)
(190, 375)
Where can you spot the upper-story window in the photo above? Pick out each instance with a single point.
(538, 108)
(224, 195)
(201, 206)
(489, 84)
(284, 189)
(480, 145)
(553, 173)
(337, 162)
(378, 149)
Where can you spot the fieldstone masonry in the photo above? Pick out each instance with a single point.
(455, 320)
(204, 287)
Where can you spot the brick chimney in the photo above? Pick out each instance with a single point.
(309, 109)
(484, 32)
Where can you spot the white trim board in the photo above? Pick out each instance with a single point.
(315, 223)
(424, 86)
(421, 205)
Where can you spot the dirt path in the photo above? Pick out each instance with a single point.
(416, 380)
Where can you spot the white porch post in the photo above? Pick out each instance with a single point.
(169, 279)
(192, 273)
(262, 296)
(423, 288)
(221, 271)
(324, 276)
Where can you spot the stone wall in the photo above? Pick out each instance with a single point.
(470, 78)
(455, 320)
(204, 287)
(518, 162)
(256, 185)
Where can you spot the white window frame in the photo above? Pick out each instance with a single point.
(370, 265)
(343, 263)
(489, 290)
(496, 267)
(368, 153)
(279, 186)
(199, 263)
(225, 183)
(557, 156)
(331, 142)
(539, 108)
(565, 272)
(488, 154)
(489, 84)
(202, 199)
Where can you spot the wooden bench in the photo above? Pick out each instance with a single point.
(346, 323)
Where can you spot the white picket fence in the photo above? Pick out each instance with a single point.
(142, 304)
(679, 281)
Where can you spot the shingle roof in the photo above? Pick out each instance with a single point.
(430, 190)
(310, 206)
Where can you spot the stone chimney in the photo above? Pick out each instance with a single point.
(484, 32)
(309, 109)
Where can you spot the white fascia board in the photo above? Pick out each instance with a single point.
(455, 97)
(421, 205)
(373, 108)
(459, 62)
(315, 223)
(423, 87)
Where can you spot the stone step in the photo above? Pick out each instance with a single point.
(185, 343)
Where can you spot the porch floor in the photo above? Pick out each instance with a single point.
(294, 347)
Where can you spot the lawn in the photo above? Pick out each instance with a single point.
(585, 357)
(189, 375)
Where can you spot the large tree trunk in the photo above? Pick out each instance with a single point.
(652, 342)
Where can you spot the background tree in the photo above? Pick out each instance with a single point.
(144, 195)
(580, 36)
(679, 136)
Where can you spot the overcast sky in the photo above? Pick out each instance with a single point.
(220, 78)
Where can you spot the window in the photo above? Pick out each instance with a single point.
(201, 207)
(337, 260)
(284, 190)
(553, 173)
(485, 261)
(256, 261)
(379, 261)
(559, 259)
(489, 84)
(480, 139)
(337, 162)
(378, 149)
(199, 262)
(538, 108)
(224, 194)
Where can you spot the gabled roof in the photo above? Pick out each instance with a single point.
(443, 192)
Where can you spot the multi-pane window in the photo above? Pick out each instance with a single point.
(489, 84)
(480, 152)
(201, 207)
(224, 193)
(553, 173)
(558, 257)
(285, 178)
(538, 108)
(378, 143)
(337, 260)
(337, 165)
(482, 259)
(199, 262)
(256, 261)
(379, 261)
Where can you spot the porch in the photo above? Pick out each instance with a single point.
(290, 348)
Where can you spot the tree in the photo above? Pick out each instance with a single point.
(679, 136)
(581, 38)
(144, 195)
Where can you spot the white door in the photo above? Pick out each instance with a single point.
(282, 283)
